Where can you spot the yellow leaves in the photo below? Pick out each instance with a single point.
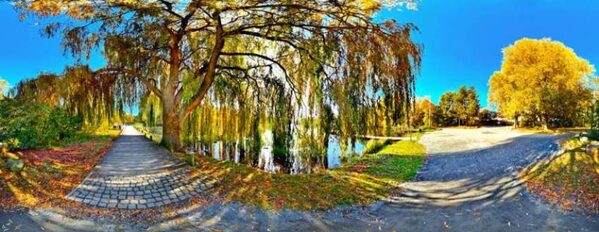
(369, 6)
(541, 76)
(24, 198)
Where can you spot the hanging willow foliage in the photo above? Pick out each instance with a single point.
(234, 72)
(98, 99)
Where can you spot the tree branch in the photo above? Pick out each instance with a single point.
(210, 68)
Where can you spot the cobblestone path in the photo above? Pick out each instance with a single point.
(136, 174)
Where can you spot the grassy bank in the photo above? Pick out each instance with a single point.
(51, 173)
(360, 181)
(569, 180)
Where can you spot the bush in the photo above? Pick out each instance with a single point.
(26, 125)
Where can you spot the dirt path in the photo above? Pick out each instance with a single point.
(468, 184)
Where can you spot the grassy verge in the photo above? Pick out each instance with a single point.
(418, 134)
(570, 180)
(361, 181)
(51, 173)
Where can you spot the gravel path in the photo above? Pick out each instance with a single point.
(468, 184)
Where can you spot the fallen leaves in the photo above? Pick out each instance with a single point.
(49, 174)
(569, 180)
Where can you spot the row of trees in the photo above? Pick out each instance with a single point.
(459, 108)
(542, 83)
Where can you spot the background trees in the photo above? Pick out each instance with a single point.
(542, 82)
(425, 114)
(3, 86)
(459, 108)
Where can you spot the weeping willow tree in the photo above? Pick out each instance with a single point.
(177, 49)
(96, 99)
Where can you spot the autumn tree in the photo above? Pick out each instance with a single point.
(460, 107)
(3, 85)
(424, 113)
(542, 81)
(178, 49)
(95, 99)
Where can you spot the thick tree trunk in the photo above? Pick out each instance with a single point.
(171, 126)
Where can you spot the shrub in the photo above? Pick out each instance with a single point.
(28, 125)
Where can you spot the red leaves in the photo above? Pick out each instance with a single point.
(72, 154)
(49, 174)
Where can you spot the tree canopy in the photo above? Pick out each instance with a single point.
(252, 64)
(460, 107)
(425, 114)
(543, 81)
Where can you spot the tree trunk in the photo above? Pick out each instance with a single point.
(325, 157)
(171, 126)
(545, 122)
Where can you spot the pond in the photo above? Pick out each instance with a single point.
(266, 161)
(334, 151)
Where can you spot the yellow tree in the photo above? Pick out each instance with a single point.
(424, 111)
(3, 85)
(543, 80)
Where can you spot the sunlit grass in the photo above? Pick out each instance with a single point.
(361, 181)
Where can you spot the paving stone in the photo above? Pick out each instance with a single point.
(126, 180)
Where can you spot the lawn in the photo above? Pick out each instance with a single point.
(50, 174)
(569, 180)
(360, 181)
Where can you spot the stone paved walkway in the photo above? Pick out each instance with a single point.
(136, 174)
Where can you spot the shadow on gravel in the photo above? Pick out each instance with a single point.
(478, 176)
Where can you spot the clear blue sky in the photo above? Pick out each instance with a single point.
(462, 39)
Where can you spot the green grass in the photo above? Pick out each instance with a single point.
(375, 145)
(360, 181)
(394, 164)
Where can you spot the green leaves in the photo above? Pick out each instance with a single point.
(460, 107)
(30, 125)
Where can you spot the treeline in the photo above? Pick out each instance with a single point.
(51, 109)
(459, 108)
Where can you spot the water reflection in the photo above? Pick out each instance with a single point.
(334, 151)
(266, 162)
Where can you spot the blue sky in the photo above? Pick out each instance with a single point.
(462, 39)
